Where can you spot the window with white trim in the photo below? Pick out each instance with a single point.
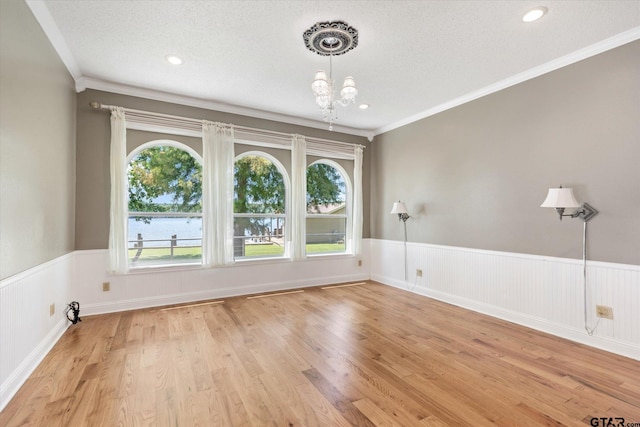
(164, 205)
(161, 191)
(259, 207)
(328, 221)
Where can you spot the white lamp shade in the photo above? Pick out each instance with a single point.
(560, 198)
(349, 90)
(320, 83)
(398, 208)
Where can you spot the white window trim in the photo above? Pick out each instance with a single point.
(176, 125)
(164, 142)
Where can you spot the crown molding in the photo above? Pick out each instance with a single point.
(48, 25)
(44, 18)
(587, 52)
(84, 83)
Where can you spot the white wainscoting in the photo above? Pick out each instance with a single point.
(539, 292)
(139, 289)
(543, 293)
(27, 331)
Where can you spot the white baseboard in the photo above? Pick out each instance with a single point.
(225, 292)
(493, 283)
(542, 293)
(572, 334)
(17, 378)
(79, 276)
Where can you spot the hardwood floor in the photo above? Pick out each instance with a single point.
(366, 355)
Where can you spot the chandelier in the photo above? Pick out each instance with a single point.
(329, 39)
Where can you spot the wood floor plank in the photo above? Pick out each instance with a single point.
(346, 408)
(28, 400)
(283, 399)
(389, 400)
(217, 414)
(349, 355)
(375, 414)
(318, 411)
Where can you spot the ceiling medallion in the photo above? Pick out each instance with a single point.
(329, 39)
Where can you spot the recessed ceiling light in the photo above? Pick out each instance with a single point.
(173, 59)
(534, 14)
(363, 106)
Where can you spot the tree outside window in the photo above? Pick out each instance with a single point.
(165, 211)
(259, 208)
(326, 222)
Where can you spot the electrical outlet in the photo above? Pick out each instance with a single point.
(418, 273)
(604, 311)
(52, 309)
(106, 286)
(359, 263)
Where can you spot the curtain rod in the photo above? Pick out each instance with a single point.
(95, 105)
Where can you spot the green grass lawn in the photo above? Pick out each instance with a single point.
(325, 247)
(185, 254)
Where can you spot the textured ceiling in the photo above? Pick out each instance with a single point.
(414, 58)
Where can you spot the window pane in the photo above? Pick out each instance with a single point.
(165, 212)
(326, 235)
(263, 237)
(166, 240)
(326, 210)
(259, 205)
(326, 189)
(164, 179)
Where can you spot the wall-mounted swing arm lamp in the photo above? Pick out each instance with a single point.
(561, 199)
(400, 209)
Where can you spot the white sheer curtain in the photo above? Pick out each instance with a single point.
(357, 201)
(217, 194)
(298, 197)
(118, 260)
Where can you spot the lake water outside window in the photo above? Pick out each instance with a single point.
(165, 211)
(161, 240)
(259, 217)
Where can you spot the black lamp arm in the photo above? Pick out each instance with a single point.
(586, 212)
(403, 217)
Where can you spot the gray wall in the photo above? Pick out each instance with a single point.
(92, 164)
(37, 145)
(475, 176)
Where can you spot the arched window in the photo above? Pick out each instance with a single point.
(164, 201)
(259, 207)
(328, 221)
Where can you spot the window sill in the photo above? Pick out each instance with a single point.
(163, 268)
(257, 261)
(312, 257)
(330, 255)
(169, 268)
